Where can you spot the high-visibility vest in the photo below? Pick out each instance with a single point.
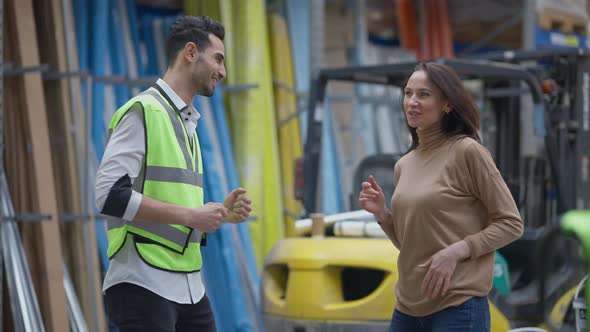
(172, 173)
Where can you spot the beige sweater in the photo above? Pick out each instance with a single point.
(448, 190)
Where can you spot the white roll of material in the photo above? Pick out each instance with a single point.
(303, 226)
(358, 229)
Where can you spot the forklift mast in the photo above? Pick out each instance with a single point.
(570, 123)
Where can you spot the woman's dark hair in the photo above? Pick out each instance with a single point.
(194, 29)
(463, 118)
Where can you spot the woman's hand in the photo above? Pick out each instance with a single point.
(372, 199)
(441, 267)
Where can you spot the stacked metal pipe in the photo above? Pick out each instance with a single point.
(23, 299)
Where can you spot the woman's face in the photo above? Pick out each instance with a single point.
(423, 102)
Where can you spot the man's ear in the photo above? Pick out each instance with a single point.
(191, 51)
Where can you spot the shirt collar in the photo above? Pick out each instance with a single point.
(178, 102)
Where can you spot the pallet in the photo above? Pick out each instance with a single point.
(555, 20)
(473, 32)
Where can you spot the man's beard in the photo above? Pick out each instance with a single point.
(204, 89)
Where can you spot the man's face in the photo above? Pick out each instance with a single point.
(209, 68)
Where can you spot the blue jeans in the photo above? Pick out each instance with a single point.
(471, 316)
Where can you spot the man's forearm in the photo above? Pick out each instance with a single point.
(154, 211)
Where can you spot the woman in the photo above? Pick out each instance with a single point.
(450, 211)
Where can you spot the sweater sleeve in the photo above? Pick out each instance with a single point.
(388, 224)
(504, 223)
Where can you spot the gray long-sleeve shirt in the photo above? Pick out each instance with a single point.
(120, 166)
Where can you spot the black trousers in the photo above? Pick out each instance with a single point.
(133, 308)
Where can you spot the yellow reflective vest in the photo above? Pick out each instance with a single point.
(172, 173)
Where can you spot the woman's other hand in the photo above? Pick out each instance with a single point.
(441, 267)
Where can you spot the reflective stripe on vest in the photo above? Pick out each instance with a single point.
(172, 174)
(173, 234)
(178, 130)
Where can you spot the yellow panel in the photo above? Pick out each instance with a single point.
(499, 323)
(312, 288)
(288, 120)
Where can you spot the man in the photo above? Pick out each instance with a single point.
(150, 185)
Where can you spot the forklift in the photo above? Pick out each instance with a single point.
(542, 149)
(574, 225)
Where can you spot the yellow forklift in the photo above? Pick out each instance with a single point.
(342, 277)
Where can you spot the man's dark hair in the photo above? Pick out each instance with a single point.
(194, 29)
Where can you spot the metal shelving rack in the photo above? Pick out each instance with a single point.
(1, 94)
(1, 142)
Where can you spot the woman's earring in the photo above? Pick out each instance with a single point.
(447, 109)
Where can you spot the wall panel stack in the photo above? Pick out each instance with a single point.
(64, 107)
(43, 129)
(31, 174)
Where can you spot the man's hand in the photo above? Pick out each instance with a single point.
(207, 218)
(238, 206)
(441, 267)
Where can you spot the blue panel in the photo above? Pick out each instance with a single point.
(558, 40)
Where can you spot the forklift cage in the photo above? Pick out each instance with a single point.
(571, 193)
